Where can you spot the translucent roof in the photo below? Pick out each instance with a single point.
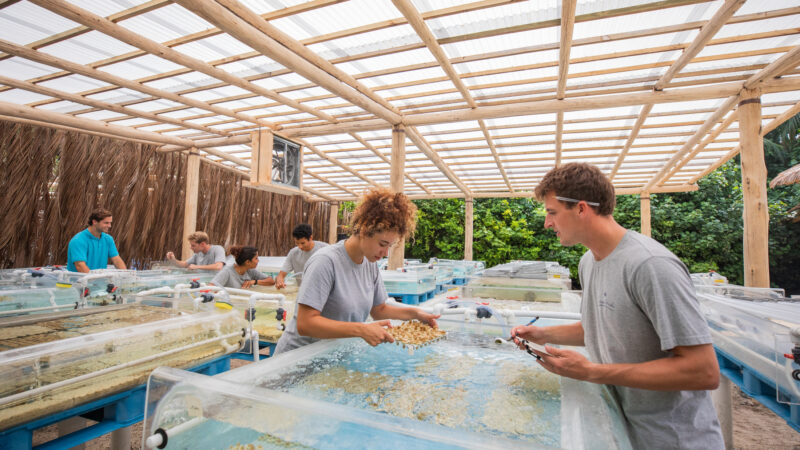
(476, 87)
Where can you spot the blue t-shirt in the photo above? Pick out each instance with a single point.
(91, 250)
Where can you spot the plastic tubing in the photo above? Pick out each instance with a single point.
(156, 440)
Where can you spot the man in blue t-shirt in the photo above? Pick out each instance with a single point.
(91, 248)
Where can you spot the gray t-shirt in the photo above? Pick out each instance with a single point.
(215, 254)
(639, 303)
(296, 259)
(228, 277)
(337, 287)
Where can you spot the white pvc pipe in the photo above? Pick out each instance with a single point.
(154, 440)
(43, 308)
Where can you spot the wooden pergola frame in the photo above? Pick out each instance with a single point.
(394, 133)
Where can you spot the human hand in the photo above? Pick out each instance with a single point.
(170, 256)
(280, 283)
(248, 284)
(430, 319)
(567, 363)
(192, 266)
(528, 332)
(375, 333)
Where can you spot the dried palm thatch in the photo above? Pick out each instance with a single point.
(55, 178)
(787, 177)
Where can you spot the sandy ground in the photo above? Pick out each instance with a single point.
(754, 427)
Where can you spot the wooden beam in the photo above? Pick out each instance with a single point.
(631, 138)
(383, 157)
(721, 90)
(331, 182)
(775, 123)
(754, 190)
(336, 162)
(493, 149)
(644, 210)
(104, 25)
(42, 115)
(418, 24)
(397, 252)
(468, 228)
(302, 51)
(567, 25)
(77, 31)
(214, 142)
(190, 201)
(559, 136)
(423, 146)
(103, 105)
(775, 69)
(40, 123)
(63, 64)
(709, 139)
(261, 145)
(725, 12)
(710, 123)
(247, 34)
(333, 219)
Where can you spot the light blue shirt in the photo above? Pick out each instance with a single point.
(95, 252)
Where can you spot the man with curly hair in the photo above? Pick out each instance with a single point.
(342, 285)
(640, 320)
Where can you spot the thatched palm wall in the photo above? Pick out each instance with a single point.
(52, 179)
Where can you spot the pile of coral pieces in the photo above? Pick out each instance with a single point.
(415, 333)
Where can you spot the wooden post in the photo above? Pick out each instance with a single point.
(333, 222)
(644, 206)
(468, 218)
(261, 157)
(190, 202)
(754, 187)
(397, 253)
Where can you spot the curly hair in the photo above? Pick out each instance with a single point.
(380, 210)
(579, 181)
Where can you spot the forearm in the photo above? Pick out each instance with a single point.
(323, 328)
(81, 266)
(394, 312)
(182, 264)
(215, 266)
(676, 373)
(571, 334)
(119, 263)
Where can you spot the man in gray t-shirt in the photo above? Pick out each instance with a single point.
(205, 257)
(337, 287)
(641, 324)
(298, 256)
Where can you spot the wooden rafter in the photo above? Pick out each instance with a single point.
(236, 27)
(104, 105)
(383, 157)
(63, 64)
(104, 25)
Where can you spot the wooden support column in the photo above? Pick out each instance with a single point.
(333, 222)
(261, 157)
(190, 201)
(754, 187)
(468, 219)
(397, 253)
(644, 211)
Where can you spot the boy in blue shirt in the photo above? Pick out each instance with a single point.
(91, 248)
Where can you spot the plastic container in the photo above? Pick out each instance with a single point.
(61, 360)
(463, 392)
(408, 282)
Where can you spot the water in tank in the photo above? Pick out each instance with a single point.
(492, 395)
(408, 281)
